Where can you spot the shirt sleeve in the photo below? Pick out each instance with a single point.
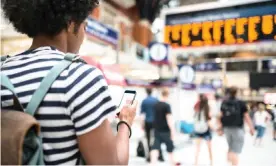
(244, 107)
(255, 115)
(89, 100)
(169, 111)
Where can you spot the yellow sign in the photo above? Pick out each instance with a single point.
(219, 32)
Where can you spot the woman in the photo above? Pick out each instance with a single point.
(261, 119)
(202, 129)
(74, 113)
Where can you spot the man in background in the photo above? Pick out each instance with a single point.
(163, 128)
(274, 122)
(234, 113)
(147, 110)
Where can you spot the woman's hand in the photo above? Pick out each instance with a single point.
(128, 113)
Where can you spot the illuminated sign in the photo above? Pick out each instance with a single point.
(225, 26)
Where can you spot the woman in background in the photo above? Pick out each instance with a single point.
(202, 127)
(261, 118)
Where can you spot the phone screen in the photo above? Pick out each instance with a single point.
(128, 98)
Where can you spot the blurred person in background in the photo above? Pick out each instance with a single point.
(218, 99)
(202, 126)
(215, 113)
(164, 130)
(234, 113)
(262, 117)
(274, 123)
(74, 114)
(147, 111)
(253, 109)
(270, 110)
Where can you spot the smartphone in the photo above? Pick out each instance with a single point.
(128, 97)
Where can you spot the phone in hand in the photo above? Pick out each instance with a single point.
(128, 98)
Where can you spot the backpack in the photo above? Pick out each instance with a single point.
(200, 123)
(231, 113)
(21, 143)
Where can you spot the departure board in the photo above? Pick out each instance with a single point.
(225, 26)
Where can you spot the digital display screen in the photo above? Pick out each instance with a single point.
(225, 26)
(260, 80)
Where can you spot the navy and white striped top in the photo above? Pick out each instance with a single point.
(77, 102)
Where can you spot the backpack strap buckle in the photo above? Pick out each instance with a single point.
(73, 58)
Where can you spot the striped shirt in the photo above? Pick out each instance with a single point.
(78, 101)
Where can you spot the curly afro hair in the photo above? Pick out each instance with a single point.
(47, 17)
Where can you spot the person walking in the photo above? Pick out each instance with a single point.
(274, 123)
(233, 114)
(262, 117)
(202, 127)
(252, 111)
(147, 111)
(73, 115)
(164, 130)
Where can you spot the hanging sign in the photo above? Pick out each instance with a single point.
(102, 32)
(159, 53)
(186, 77)
(249, 23)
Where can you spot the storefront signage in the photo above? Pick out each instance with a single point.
(211, 84)
(102, 32)
(165, 82)
(159, 53)
(156, 83)
(207, 67)
(217, 83)
(225, 26)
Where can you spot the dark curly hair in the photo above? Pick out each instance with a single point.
(47, 17)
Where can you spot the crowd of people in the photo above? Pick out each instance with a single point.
(230, 119)
(158, 118)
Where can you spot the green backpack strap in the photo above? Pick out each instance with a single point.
(37, 158)
(47, 82)
(5, 81)
(4, 58)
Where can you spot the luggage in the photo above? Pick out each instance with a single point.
(141, 150)
(186, 128)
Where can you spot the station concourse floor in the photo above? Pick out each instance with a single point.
(185, 150)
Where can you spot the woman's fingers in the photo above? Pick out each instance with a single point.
(128, 113)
